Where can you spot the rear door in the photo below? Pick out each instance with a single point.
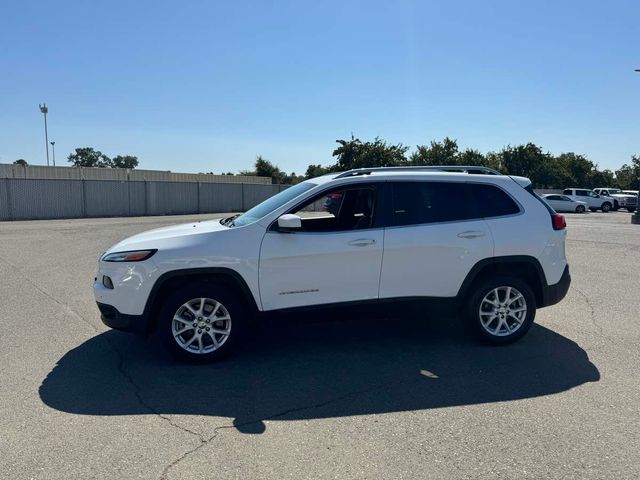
(433, 240)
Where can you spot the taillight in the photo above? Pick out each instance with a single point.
(558, 222)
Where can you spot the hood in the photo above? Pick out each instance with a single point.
(152, 238)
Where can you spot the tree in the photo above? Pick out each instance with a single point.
(315, 171)
(628, 176)
(437, 153)
(21, 161)
(88, 157)
(124, 161)
(356, 154)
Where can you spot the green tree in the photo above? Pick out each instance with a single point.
(356, 154)
(316, 171)
(88, 157)
(471, 157)
(21, 161)
(436, 153)
(628, 176)
(124, 161)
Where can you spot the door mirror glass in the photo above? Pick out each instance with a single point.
(289, 222)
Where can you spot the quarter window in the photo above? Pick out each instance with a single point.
(492, 201)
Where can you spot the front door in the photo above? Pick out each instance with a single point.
(336, 256)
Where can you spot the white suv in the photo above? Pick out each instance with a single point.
(592, 199)
(468, 237)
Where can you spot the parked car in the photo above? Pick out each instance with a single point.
(620, 198)
(592, 199)
(562, 203)
(482, 243)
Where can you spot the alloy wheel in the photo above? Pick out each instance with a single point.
(201, 325)
(503, 310)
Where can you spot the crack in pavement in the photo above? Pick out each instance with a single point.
(592, 311)
(119, 355)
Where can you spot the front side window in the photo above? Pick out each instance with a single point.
(430, 202)
(272, 203)
(348, 208)
(583, 193)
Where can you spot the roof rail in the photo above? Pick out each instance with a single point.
(441, 168)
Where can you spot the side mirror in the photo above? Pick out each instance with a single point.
(289, 222)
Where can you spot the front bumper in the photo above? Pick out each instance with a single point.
(552, 294)
(112, 318)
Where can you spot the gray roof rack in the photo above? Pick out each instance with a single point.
(441, 168)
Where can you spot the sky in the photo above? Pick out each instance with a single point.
(193, 86)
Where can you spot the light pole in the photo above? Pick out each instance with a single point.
(635, 218)
(53, 150)
(45, 110)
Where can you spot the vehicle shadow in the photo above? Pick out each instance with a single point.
(305, 369)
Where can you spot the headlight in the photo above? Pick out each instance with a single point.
(131, 256)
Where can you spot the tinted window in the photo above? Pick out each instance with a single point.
(429, 202)
(492, 201)
(568, 192)
(582, 193)
(554, 197)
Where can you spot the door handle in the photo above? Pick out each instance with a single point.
(362, 242)
(471, 234)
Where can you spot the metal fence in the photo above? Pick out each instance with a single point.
(22, 198)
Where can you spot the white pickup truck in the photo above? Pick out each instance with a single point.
(621, 199)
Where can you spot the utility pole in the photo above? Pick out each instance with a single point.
(45, 110)
(53, 150)
(635, 218)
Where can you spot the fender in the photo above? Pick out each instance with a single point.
(232, 276)
(502, 261)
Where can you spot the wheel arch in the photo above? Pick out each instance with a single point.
(177, 278)
(524, 267)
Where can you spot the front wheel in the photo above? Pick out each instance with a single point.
(580, 209)
(202, 322)
(606, 206)
(501, 310)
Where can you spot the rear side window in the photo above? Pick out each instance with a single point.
(492, 201)
(568, 192)
(430, 202)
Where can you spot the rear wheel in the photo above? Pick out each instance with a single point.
(202, 322)
(501, 310)
(580, 209)
(606, 206)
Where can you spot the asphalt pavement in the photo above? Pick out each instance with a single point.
(357, 395)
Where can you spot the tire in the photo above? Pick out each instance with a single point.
(580, 209)
(483, 323)
(606, 206)
(214, 343)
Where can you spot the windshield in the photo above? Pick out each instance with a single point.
(271, 204)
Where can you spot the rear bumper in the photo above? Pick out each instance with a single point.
(112, 318)
(552, 294)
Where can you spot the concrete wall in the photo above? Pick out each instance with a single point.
(122, 174)
(25, 198)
